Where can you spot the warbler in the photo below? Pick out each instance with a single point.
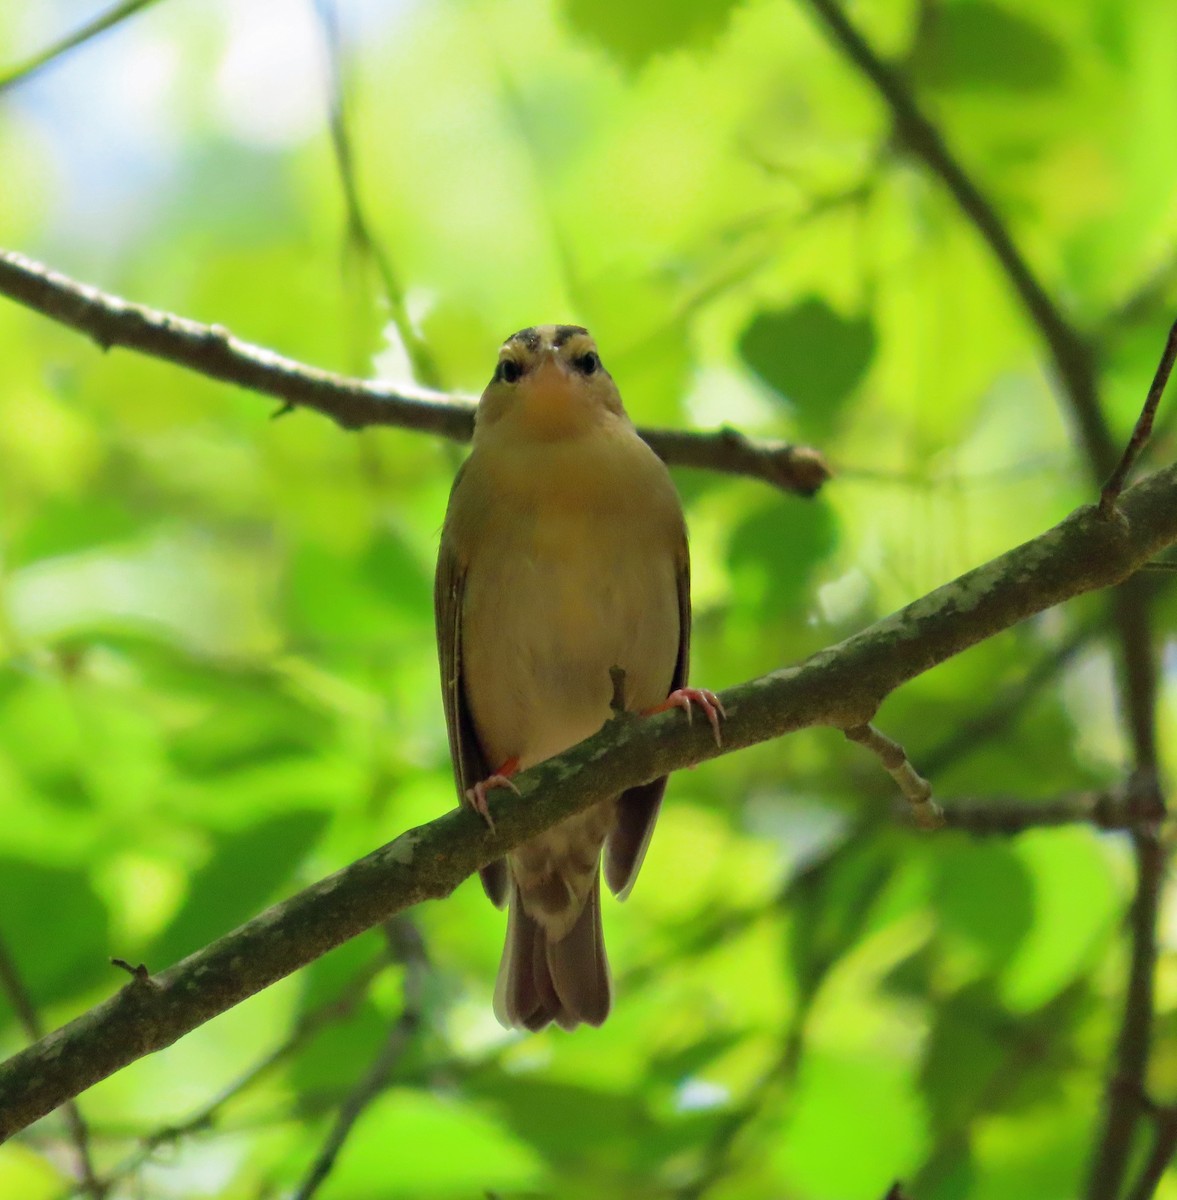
(563, 555)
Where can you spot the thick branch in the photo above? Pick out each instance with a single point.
(840, 687)
(213, 351)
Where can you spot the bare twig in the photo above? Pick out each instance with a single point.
(407, 947)
(212, 351)
(1071, 354)
(1163, 1148)
(1143, 428)
(308, 1025)
(915, 788)
(841, 687)
(1111, 809)
(23, 70)
(13, 987)
(359, 232)
(1123, 1103)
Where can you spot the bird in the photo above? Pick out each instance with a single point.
(563, 556)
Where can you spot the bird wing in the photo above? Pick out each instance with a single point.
(466, 754)
(637, 808)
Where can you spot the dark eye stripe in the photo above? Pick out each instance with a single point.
(508, 371)
(587, 364)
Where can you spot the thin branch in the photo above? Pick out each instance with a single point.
(408, 948)
(38, 62)
(13, 987)
(1163, 1148)
(360, 238)
(211, 350)
(1008, 815)
(1071, 354)
(1143, 428)
(840, 687)
(1127, 1086)
(917, 791)
(308, 1025)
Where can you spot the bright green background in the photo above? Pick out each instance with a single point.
(217, 678)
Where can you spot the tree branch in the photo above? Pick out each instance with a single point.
(840, 687)
(1071, 354)
(1111, 809)
(213, 351)
(38, 62)
(407, 947)
(13, 986)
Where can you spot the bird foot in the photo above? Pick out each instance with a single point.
(684, 698)
(476, 795)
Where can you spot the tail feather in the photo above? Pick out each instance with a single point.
(579, 968)
(541, 980)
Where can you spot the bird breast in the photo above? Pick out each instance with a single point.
(565, 583)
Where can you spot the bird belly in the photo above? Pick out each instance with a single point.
(545, 620)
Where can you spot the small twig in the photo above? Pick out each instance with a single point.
(359, 232)
(1140, 434)
(100, 24)
(914, 786)
(1130, 1061)
(212, 351)
(337, 1008)
(22, 1004)
(1111, 809)
(405, 946)
(1163, 1148)
(140, 975)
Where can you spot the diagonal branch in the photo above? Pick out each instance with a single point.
(840, 687)
(1074, 364)
(100, 24)
(12, 985)
(213, 351)
(1072, 356)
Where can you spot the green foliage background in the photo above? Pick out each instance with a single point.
(217, 677)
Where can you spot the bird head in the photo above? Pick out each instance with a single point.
(549, 384)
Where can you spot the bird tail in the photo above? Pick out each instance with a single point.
(542, 980)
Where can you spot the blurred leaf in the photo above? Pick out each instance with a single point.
(635, 34)
(975, 45)
(813, 357)
(56, 959)
(241, 876)
(774, 553)
(443, 1147)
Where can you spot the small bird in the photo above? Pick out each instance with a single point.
(563, 555)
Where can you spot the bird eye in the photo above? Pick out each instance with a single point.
(586, 364)
(509, 370)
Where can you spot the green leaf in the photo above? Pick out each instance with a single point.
(975, 46)
(635, 33)
(239, 879)
(812, 356)
(774, 553)
(55, 928)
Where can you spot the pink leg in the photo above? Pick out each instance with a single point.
(476, 795)
(684, 697)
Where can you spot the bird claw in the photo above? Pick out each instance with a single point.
(476, 795)
(707, 700)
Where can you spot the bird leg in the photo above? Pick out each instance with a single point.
(683, 698)
(476, 795)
